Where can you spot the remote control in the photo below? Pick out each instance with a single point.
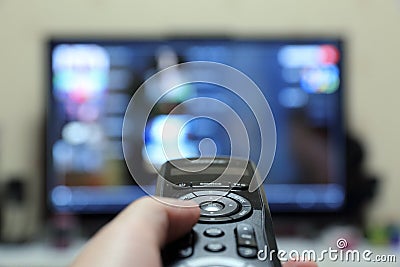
(235, 225)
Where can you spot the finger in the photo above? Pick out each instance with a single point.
(165, 219)
(182, 215)
(136, 235)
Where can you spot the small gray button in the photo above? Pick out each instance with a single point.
(246, 252)
(215, 247)
(213, 232)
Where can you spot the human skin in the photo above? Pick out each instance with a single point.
(135, 237)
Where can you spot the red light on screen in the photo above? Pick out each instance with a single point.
(79, 96)
(329, 54)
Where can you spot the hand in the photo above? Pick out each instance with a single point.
(136, 236)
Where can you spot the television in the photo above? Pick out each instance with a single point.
(91, 82)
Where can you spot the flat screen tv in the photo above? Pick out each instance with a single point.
(91, 82)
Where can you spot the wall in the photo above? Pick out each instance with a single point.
(372, 29)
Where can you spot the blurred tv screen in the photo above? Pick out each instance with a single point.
(92, 82)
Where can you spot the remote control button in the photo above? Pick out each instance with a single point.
(187, 196)
(186, 242)
(185, 252)
(204, 219)
(240, 199)
(213, 232)
(211, 206)
(245, 235)
(181, 248)
(247, 252)
(227, 207)
(216, 206)
(245, 211)
(215, 247)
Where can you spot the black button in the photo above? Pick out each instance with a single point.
(223, 206)
(213, 232)
(215, 247)
(246, 252)
(243, 201)
(185, 252)
(242, 213)
(181, 248)
(245, 235)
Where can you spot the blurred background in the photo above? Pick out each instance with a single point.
(359, 38)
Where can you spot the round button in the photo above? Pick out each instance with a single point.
(213, 232)
(215, 247)
(219, 206)
(216, 206)
(211, 206)
(185, 252)
(246, 252)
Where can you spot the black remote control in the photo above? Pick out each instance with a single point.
(235, 226)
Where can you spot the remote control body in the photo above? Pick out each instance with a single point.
(235, 226)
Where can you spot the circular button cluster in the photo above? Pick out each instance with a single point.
(219, 207)
(212, 206)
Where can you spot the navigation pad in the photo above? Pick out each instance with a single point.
(220, 207)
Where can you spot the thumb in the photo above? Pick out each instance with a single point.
(137, 233)
(165, 218)
(182, 215)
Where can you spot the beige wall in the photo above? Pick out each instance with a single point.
(372, 29)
